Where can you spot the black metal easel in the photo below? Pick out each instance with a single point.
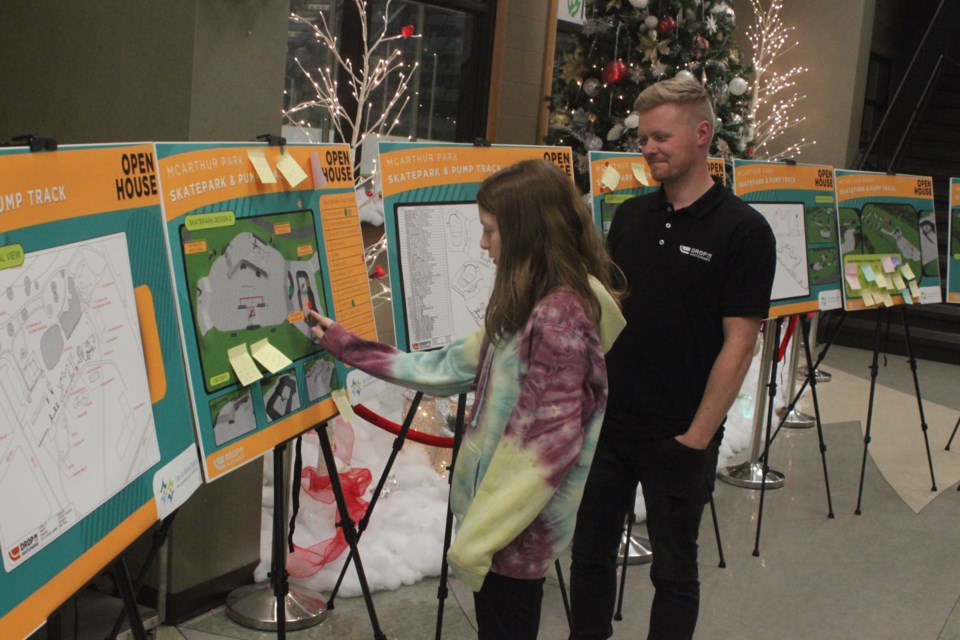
(771, 394)
(873, 383)
(811, 380)
(397, 446)
(448, 528)
(156, 543)
(347, 526)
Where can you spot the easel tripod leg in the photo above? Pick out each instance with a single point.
(771, 395)
(950, 441)
(448, 529)
(812, 380)
(397, 446)
(916, 387)
(348, 528)
(874, 368)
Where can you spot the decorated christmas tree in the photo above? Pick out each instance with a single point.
(627, 45)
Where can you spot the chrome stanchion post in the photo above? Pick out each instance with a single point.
(749, 474)
(277, 605)
(795, 419)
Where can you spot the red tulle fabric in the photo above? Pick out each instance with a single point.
(306, 561)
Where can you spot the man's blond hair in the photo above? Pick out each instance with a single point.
(679, 91)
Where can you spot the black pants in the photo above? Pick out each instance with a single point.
(675, 481)
(508, 608)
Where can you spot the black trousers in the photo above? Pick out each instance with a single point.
(508, 608)
(675, 481)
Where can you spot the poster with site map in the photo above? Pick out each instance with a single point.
(252, 252)
(953, 244)
(433, 234)
(799, 203)
(96, 442)
(888, 239)
(615, 177)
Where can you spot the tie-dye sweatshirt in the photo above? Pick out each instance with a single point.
(530, 435)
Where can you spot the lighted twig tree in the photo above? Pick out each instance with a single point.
(772, 110)
(372, 70)
(380, 62)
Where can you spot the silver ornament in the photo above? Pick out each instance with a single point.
(591, 87)
(738, 86)
(593, 143)
(685, 75)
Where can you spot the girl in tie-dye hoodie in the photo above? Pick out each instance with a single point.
(538, 371)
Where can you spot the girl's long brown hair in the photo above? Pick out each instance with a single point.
(547, 239)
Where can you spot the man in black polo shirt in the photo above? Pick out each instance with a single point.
(699, 264)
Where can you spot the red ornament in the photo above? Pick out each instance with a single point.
(666, 25)
(615, 72)
(700, 47)
(406, 31)
(751, 152)
(377, 273)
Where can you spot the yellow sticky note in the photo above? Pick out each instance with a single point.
(610, 178)
(882, 281)
(269, 356)
(885, 297)
(914, 289)
(907, 271)
(898, 282)
(640, 173)
(243, 365)
(867, 296)
(343, 404)
(291, 169)
(262, 166)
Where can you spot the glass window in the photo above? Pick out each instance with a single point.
(448, 66)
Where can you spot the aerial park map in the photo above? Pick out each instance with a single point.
(96, 442)
(257, 236)
(887, 231)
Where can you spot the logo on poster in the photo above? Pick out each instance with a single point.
(19, 551)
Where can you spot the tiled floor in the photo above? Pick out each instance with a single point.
(889, 573)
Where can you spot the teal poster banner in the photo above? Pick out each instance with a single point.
(96, 442)
(799, 202)
(888, 239)
(615, 177)
(258, 236)
(953, 244)
(440, 277)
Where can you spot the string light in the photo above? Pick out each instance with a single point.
(373, 70)
(771, 114)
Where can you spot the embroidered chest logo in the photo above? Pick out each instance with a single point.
(696, 253)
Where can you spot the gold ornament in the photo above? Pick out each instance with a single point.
(573, 66)
(651, 48)
(560, 118)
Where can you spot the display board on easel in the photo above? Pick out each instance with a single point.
(888, 239)
(953, 243)
(95, 436)
(440, 277)
(615, 177)
(798, 201)
(257, 235)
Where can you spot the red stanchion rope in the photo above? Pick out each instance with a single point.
(387, 425)
(791, 327)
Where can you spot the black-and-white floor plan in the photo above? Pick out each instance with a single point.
(76, 420)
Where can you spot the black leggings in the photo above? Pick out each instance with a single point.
(508, 608)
